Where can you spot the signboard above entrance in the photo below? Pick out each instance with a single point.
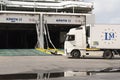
(19, 18)
(64, 19)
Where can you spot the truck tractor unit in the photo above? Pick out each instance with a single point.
(97, 40)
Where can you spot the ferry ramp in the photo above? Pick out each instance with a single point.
(23, 52)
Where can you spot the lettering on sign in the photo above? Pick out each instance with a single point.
(63, 20)
(14, 19)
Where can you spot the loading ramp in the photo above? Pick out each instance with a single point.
(23, 52)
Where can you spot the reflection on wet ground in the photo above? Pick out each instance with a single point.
(54, 75)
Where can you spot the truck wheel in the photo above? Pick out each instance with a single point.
(75, 53)
(107, 54)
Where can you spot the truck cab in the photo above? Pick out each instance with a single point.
(75, 42)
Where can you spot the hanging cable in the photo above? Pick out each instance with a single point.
(46, 37)
(47, 30)
(37, 35)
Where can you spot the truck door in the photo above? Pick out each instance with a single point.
(69, 43)
(80, 39)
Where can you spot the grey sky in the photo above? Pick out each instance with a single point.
(107, 11)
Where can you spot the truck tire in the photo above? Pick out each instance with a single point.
(75, 54)
(108, 54)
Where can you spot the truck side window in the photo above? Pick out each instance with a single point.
(70, 37)
(88, 31)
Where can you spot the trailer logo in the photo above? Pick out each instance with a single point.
(109, 35)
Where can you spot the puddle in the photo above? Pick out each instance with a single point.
(49, 75)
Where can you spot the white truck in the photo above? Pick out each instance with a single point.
(97, 40)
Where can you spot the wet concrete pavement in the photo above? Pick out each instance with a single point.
(38, 64)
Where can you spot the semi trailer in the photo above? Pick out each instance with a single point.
(97, 40)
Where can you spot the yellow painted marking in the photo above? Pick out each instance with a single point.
(49, 50)
(92, 49)
(43, 50)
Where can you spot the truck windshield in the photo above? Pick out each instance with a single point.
(70, 38)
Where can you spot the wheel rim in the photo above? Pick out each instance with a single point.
(108, 54)
(75, 54)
